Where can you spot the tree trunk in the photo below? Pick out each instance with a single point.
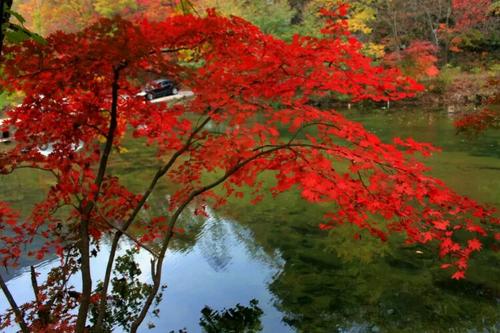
(5, 6)
(87, 210)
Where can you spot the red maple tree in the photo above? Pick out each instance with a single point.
(80, 89)
(418, 60)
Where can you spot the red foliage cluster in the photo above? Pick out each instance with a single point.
(417, 60)
(245, 73)
(470, 12)
(486, 118)
(80, 88)
(478, 122)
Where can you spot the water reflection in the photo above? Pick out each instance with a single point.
(396, 289)
(193, 282)
(428, 126)
(304, 279)
(194, 279)
(238, 319)
(214, 245)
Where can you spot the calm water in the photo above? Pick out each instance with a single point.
(307, 280)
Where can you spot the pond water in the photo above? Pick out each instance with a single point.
(304, 279)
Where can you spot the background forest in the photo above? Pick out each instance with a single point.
(452, 46)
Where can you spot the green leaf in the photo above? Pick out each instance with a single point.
(37, 38)
(17, 36)
(18, 16)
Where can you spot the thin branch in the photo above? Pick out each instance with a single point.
(157, 280)
(360, 177)
(34, 167)
(43, 312)
(153, 272)
(132, 238)
(17, 311)
(114, 245)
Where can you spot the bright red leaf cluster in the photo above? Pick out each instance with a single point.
(245, 74)
(418, 60)
(478, 122)
(81, 88)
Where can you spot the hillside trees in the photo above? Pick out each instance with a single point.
(451, 26)
(48, 16)
(45, 17)
(272, 17)
(80, 90)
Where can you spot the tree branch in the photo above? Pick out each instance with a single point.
(34, 285)
(5, 6)
(157, 279)
(114, 245)
(17, 311)
(87, 209)
(132, 238)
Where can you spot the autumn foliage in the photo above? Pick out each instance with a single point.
(488, 117)
(470, 13)
(46, 17)
(418, 60)
(80, 89)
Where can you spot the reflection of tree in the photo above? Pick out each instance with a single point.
(214, 244)
(127, 294)
(394, 298)
(216, 240)
(328, 283)
(239, 319)
(246, 237)
(428, 126)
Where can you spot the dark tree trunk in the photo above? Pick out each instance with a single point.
(4, 18)
(298, 5)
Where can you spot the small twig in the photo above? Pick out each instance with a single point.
(132, 238)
